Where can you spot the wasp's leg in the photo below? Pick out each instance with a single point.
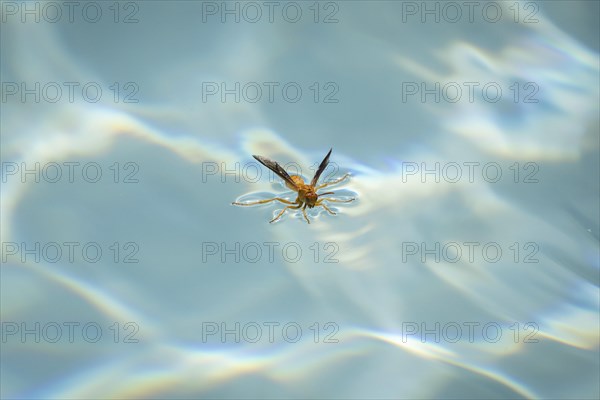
(333, 182)
(282, 211)
(327, 209)
(318, 203)
(253, 203)
(304, 212)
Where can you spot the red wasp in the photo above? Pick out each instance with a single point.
(307, 193)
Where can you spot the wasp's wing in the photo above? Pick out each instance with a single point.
(278, 169)
(322, 167)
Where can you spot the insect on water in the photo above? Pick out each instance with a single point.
(307, 193)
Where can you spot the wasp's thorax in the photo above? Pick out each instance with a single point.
(298, 181)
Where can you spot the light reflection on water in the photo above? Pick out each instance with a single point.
(374, 293)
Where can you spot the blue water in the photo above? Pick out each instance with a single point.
(467, 266)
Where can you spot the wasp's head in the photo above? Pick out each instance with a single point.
(311, 199)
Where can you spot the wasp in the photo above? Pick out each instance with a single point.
(307, 193)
